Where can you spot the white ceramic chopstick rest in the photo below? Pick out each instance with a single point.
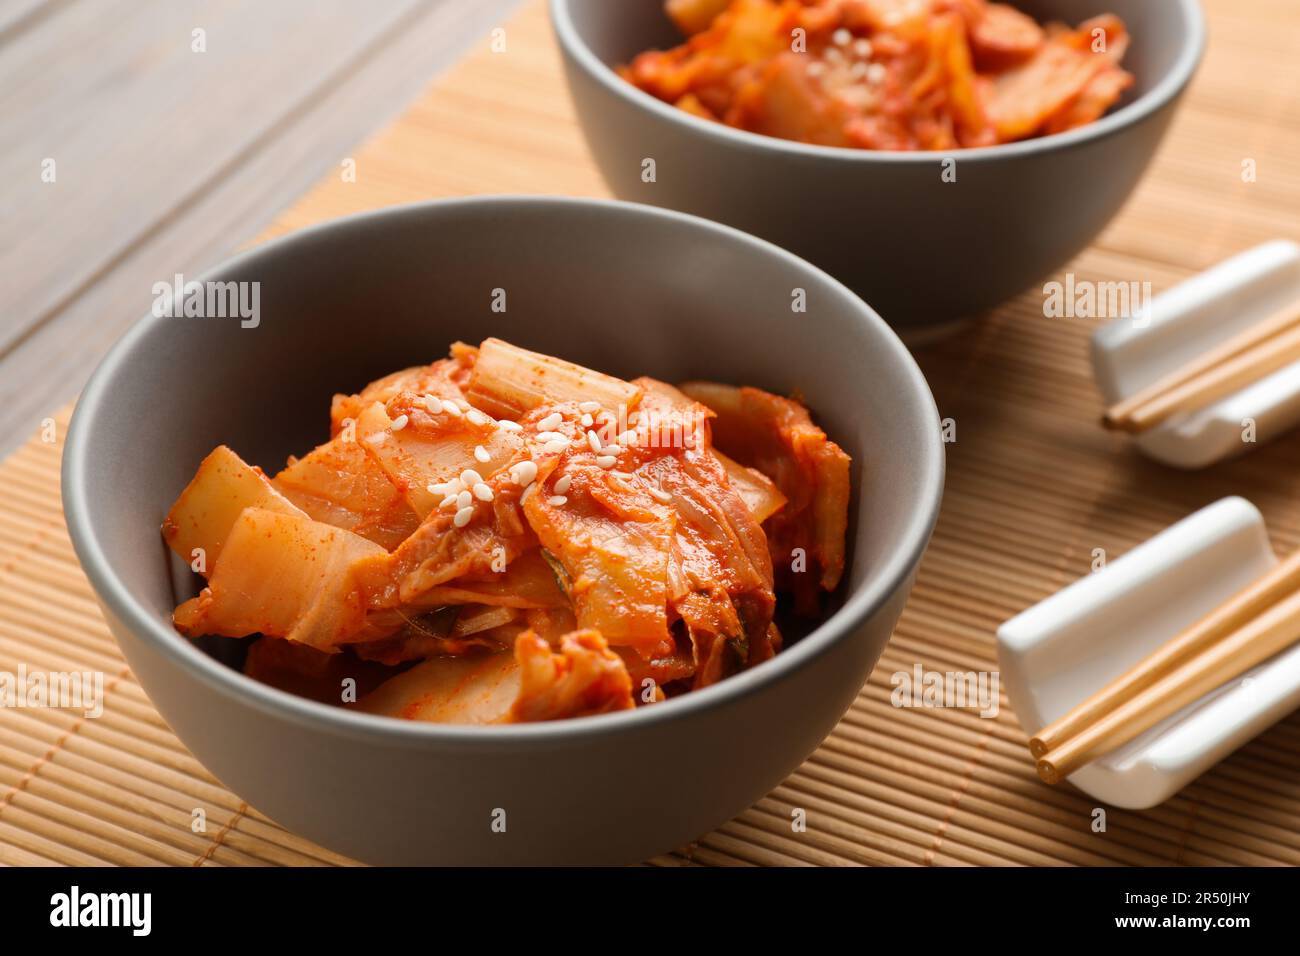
(1187, 321)
(1063, 650)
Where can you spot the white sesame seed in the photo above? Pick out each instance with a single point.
(528, 490)
(550, 436)
(876, 73)
(464, 500)
(550, 422)
(433, 403)
(659, 494)
(862, 48)
(562, 485)
(375, 438)
(625, 475)
(523, 472)
(613, 449)
(860, 71)
(587, 421)
(557, 500)
(556, 446)
(816, 68)
(589, 407)
(451, 409)
(606, 461)
(593, 440)
(833, 55)
(841, 37)
(481, 454)
(477, 417)
(507, 425)
(448, 502)
(482, 491)
(469, 477)
(462, 517)
(400, 422)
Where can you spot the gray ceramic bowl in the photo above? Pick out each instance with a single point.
(924, 252)
(619, 287)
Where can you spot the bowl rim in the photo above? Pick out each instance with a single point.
(881, 586)
(1170, 86)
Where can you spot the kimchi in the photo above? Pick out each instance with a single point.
(504, 536)
(886, 74)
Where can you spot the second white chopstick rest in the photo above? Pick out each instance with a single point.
(1066, 648)
(1187, 321)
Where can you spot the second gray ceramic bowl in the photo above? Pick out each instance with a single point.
(623, 288)
(924, 252)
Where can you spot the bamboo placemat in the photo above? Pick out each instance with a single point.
(1034, 487)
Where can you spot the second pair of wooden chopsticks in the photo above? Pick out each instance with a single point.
(1259, 622)
(1259, 351)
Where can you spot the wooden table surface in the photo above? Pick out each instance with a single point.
(171, 148)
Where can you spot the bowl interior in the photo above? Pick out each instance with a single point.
(1160, 29)
(621, 288)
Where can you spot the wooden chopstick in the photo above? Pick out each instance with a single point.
(1283, 579)
(1123, 416)
(1225, 379)
(1273, 631)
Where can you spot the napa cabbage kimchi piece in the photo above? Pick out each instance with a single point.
(886, 74)
(503, 536)
(806, 536)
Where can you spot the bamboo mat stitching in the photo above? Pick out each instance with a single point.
(59, 744)
(967, 778)
(217, 840)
